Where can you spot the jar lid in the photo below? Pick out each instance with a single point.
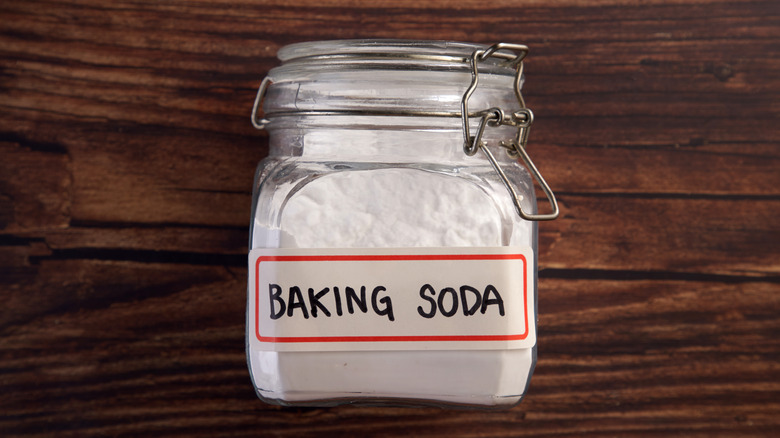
(388, 77)
(394, 54)
(365, 47)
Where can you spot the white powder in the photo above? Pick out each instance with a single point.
(397, 207)
(390, 208)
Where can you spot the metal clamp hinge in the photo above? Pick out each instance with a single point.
(521, 119)
(260, 124)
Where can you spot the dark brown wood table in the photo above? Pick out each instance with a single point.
(126, 165)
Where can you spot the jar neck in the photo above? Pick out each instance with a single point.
(379, 138)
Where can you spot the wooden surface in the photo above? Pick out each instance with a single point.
(126, 166)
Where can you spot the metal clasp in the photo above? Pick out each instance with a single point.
(260, 124)
(521, 119)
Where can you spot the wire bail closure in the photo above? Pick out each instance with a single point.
(261, 123)
(521, 119)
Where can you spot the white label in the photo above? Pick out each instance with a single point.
(391, 299)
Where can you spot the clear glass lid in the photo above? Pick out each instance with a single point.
(386, 75)
(387, 46)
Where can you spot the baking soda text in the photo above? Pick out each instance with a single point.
(335, 301)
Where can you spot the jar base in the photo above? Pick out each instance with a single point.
(451, 378)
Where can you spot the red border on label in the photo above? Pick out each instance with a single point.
(421, 338)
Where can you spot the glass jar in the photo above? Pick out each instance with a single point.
(393, 239)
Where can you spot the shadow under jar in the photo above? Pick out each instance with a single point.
(393, 239)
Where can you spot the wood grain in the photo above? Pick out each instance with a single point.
(126, 165)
